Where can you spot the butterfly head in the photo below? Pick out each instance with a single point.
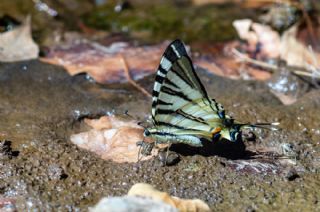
(146, 132)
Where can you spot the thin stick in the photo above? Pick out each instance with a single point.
(130, 80)
(296, 70)
(247, 59)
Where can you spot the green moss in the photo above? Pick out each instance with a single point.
(167, 21)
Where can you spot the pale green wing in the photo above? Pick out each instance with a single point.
(176, 86)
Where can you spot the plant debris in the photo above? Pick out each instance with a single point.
(183, 205)
(112, 139)
(17, 44)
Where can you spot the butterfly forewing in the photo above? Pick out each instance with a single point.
(180, 103)
(176, 82)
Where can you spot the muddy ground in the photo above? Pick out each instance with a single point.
(41, 106)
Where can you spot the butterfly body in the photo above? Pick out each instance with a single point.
(203, 125)
(182, 112)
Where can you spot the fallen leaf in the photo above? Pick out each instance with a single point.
(293, 47)
(105, 63)
(17, 44)
(218, 60)
(108, 122)
(296, 53)
(257, 34)
(112, 139)
(183, 205)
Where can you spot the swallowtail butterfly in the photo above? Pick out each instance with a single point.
(182, 111)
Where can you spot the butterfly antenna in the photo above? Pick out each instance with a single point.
(167, 154)
(274, 126)
(140, 123)
(127, 114)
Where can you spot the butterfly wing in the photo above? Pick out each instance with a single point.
(179, 98)
(176, 82)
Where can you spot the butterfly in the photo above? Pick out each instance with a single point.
(182, 111)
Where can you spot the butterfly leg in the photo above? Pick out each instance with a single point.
(167, 154)
(145, 148)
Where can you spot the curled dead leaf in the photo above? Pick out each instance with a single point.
(183, 205)
(296, 53)
(17, 44)
(257, 34)
(112, 139)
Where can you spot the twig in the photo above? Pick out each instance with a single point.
(247, 59)
(129, 78)
(295, 69)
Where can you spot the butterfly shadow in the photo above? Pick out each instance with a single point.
(223, 148)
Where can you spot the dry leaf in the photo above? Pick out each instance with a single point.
(112, 139)
(183, 205)
(105, 63)
(17, 44)
(296, 53)
(257, 34)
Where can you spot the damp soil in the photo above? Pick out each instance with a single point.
(41, 106)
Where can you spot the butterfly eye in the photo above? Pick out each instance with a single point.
(146, 133)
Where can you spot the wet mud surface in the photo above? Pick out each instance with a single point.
(41, 106)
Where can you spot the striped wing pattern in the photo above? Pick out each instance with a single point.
(180, 103)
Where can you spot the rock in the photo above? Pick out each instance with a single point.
(291, 175)
(17, 44)
(131, 203)
(183, 205)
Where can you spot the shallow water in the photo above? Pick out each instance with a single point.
(41, 107)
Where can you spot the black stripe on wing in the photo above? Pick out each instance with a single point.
(175, 126)
(191, 117)
(176, 59)
(175, 50)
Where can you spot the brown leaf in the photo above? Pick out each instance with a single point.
(105, 63)
(255, 33)
(112, 139)
(183, 205)
(296, 53)
(17, 44)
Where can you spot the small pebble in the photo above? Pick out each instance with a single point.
(168, 159)
(291, 175)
